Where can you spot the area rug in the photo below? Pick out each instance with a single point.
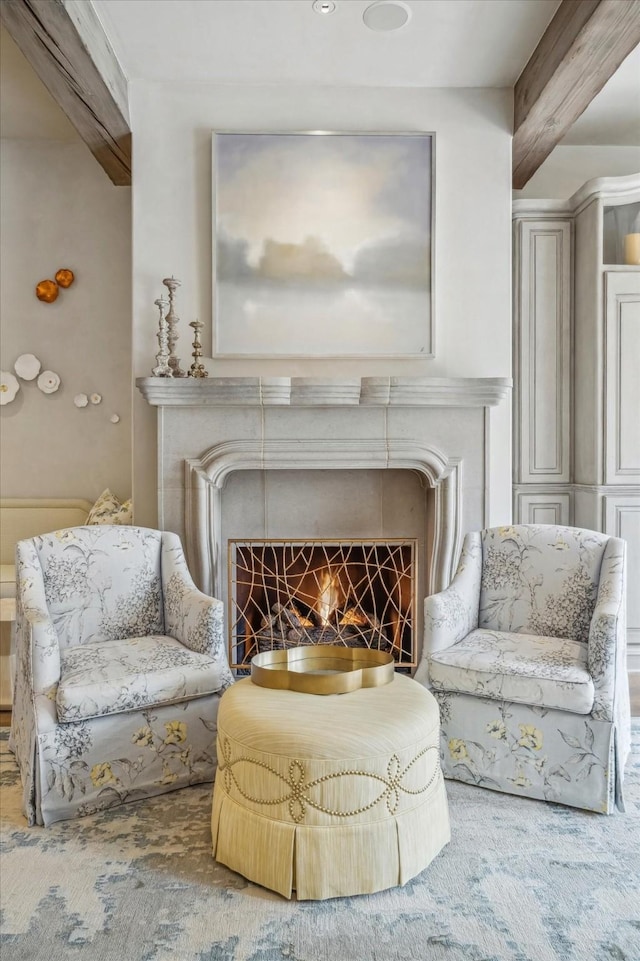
(521, 880)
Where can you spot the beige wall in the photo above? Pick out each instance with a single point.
(172, 232)
(59, 209)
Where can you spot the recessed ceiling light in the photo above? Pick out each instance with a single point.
(387, 15)
(324, 6)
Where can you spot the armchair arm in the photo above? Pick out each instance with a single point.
(37, 647)
(194, 618)
(451, 614)
(607, 642)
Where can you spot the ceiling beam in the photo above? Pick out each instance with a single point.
(581, 49)
(65, 44)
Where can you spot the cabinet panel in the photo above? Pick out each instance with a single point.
(622, 349)
(543, 508)
(543, 370)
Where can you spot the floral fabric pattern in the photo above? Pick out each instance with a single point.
(547, 671)
(88, 766)
(102, 583)
(108, 705)
(533, 696)
(518, 749)
(129, 675)
(109, 510)
(539, 579)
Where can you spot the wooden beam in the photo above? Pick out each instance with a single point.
(55, 37)
(581, 49)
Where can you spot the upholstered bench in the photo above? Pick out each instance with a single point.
(329, 796)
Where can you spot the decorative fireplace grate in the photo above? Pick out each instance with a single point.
(290, 593)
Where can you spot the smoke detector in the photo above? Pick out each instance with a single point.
(387, 15)
(324, 7)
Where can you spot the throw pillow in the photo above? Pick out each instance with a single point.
(109, 510)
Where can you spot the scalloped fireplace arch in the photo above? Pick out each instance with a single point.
(205, 478)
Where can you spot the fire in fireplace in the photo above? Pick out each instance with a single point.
(289, 593)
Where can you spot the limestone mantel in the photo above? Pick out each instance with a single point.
(324, 392)
(253, 456)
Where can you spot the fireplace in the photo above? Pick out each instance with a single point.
(393, 459)
(285, 594)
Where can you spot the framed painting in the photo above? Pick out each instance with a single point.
(323, 244)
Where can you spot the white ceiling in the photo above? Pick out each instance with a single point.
(446, 43)
(613, 117)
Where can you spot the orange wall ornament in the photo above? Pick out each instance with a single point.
(47, 290)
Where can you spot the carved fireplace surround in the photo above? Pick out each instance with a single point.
(258, 457)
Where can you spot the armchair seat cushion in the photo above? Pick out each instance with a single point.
(547, 672)
(114, 677)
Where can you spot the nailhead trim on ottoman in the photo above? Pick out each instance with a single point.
(330, 796)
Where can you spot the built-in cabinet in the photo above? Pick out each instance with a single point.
(577, 367)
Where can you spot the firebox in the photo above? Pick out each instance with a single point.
(289, 593)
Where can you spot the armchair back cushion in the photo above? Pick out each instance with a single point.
(540, 580)
(102, 583)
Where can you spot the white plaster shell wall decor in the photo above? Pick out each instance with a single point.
(81, 400)
(115, 418)
(9, 387)
(95, 398)
(27, 366)
(48, 382)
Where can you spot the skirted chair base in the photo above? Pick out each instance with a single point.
(518, 749)
(328, 796)
(88, 766)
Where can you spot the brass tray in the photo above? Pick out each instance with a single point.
(322, 669)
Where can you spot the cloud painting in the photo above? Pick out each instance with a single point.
(322, 244)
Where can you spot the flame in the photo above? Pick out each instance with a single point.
(330, 597)
(352, 616)
(304, 621)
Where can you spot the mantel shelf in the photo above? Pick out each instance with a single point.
(321, 392)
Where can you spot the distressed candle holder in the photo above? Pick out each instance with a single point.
(172, 322)
(163, 367)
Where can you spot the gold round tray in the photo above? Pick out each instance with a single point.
(322, 669)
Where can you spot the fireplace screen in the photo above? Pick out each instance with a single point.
(291, 593)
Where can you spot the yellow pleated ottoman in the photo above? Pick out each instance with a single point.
(329, 796)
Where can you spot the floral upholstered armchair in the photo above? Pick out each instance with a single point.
(120, 667)
(526, 654)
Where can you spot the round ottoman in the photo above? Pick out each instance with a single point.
(329, 796)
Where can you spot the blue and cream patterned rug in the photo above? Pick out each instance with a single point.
(520, 881)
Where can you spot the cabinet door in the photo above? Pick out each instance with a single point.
(622, 377)
(542, 351)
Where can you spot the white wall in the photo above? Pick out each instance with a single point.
(568, 167)
(59, 209)
(172, 231)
